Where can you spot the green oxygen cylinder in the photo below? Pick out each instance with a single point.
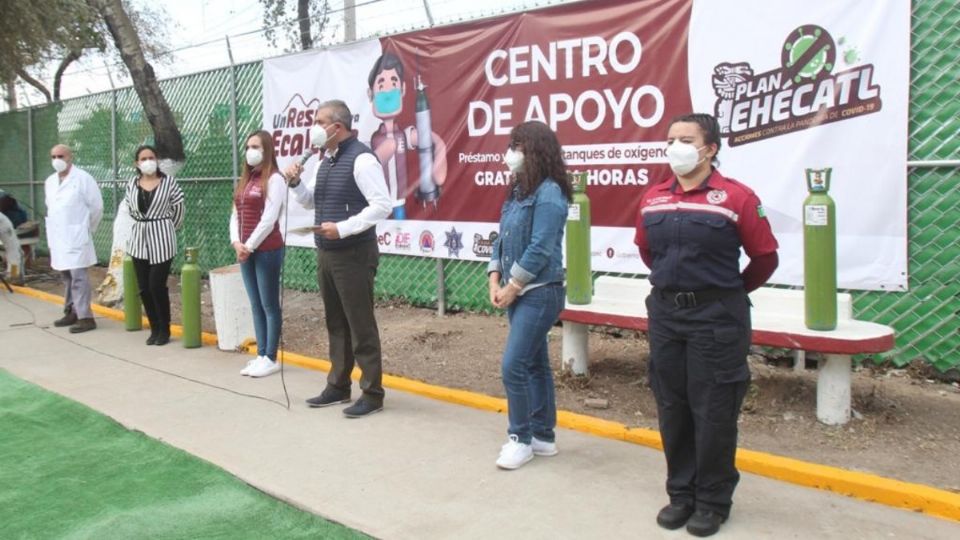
(132, 316)
(579, 277)
(190, 299)
(819, 253)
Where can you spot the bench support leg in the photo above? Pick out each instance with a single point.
(799, 360)
(833, 389)
(574, 348)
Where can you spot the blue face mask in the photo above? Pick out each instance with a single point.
(387, 102)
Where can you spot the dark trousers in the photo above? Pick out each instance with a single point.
(346, 278)
(152, 283)
(699, 376)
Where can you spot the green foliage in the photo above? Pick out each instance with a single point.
(39, 32)
(36, 37)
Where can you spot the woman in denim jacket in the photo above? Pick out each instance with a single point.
(526, 279)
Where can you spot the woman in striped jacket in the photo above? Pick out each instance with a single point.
(155, 202)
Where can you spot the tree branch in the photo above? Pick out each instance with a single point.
(34, 83)
(167, 138)
(10, 94)
(72, 57)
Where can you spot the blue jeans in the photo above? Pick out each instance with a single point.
(261, 278)
(527, 377)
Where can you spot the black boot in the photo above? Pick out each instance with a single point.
(705, 522)
(163, 316)
(163, 334)
(151, 311)
(674, 515)
(69, 318)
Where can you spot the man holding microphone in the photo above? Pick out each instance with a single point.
(349, 196)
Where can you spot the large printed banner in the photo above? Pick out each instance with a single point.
(794, 85)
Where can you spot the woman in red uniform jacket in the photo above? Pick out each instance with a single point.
(690, 231)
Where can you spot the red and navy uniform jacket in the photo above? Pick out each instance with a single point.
(250, 204)
(693, 239)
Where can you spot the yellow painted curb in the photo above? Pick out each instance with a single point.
(869, 487)
(175, 330)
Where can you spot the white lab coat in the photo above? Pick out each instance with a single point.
(11, 245)
(74, 209)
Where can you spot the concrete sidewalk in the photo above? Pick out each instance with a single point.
(421, 469)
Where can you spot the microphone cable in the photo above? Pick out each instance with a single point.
(286, 231)
(286, 227)
(286, 405)
(66, 339)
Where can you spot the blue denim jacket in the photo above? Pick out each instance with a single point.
(529, 246)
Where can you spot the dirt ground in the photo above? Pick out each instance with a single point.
(906, 425)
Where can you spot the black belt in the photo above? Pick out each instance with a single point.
(150, 220)
(687, 299)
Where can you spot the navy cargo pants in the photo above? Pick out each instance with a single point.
(699, 376)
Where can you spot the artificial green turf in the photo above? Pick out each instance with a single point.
(67, 471)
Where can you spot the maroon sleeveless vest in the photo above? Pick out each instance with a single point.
(250, 204)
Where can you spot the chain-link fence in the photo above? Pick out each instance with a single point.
(104, 129)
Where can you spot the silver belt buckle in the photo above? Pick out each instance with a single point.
(685, 299)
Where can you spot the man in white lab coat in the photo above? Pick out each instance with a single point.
(74, 209)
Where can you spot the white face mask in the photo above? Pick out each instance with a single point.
(318, 136)
(513, 159)
(254, 156)
(148, 167)
(683, 157)
(59, 165)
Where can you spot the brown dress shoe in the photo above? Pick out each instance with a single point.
(67, 320)
(83, 325)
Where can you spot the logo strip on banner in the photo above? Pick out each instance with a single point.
(438, 118)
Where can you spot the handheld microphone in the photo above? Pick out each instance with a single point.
(306, 156)
(302, 161)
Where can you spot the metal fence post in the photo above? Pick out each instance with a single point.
(113, 143)
(30, 167)
(114, 166)
(441, 290)
(233, 113)
(426, 7)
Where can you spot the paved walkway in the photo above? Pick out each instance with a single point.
(421, 469)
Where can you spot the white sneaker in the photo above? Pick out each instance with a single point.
(264, 368)
(543, 448)
(250, 363)
(514, 454)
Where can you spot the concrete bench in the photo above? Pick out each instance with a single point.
(777, 318)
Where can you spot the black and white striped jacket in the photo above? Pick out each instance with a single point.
(154, 236)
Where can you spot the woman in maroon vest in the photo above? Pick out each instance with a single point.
(255, 234)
